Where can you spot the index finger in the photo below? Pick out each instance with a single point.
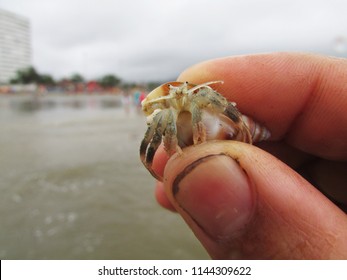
(301, 98)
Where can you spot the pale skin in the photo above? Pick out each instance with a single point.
(245, 202)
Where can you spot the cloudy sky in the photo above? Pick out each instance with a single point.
(142, 40)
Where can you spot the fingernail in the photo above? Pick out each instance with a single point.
(215, 192)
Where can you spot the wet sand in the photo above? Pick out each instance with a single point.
(73, 186)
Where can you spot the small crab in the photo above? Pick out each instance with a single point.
(182, 114)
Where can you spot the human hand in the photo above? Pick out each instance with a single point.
(244, 203)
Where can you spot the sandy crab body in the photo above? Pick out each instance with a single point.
(182, 114)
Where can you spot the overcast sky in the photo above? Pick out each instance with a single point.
(141, 40)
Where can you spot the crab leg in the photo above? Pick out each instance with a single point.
(170, 134)
(152, 148)
(209, 97)
(199, 130)
(152, 140)
(205, 85)
(146, 140)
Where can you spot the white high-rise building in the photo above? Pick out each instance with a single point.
(15, 49)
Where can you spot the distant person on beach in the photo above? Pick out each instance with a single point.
(139, 96)
(126, 101)
(142, 96)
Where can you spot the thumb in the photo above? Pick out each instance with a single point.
(242, 203)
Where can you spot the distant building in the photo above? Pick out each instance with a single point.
(15, 50)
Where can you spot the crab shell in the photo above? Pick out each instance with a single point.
(223, 122)
(219, 128)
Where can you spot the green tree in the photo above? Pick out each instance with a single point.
(129, 85)
(26, 76)
(46, 79)
(77, 78)
(108, 81)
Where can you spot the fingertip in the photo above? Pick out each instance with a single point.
(274, 213)
(161, 197)
(159, 161)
